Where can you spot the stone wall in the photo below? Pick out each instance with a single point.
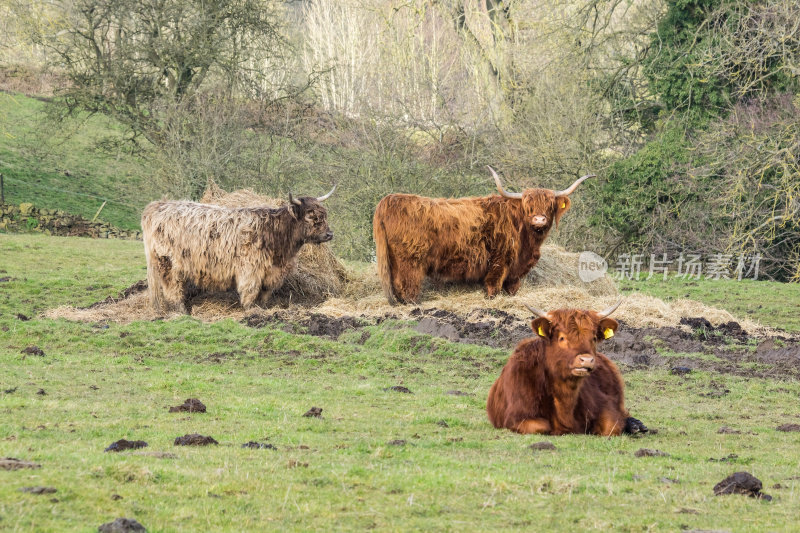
(26, 217)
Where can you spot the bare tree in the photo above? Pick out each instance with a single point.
(125, 58)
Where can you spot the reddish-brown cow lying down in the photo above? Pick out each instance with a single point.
(557, 382)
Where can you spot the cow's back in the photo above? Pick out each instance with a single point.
(443, 235)
(205, 243)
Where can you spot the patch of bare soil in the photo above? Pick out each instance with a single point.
(542, 445)
(315, 324)
(136, 288)
(11, 463)
(648, 452)
(259, 445)
(492, 327)
(399, 388)
(39, 490)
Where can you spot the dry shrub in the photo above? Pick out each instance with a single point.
(319, 274)
(553, 284)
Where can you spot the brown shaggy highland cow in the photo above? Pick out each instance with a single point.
(557, 382)
(209, 247)
(494, 240)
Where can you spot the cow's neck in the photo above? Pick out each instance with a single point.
(529, 253)
(286, 236)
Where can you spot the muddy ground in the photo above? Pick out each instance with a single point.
(695, 345)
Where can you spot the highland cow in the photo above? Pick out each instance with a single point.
(193, 246)
(557, 383)
(494, 240)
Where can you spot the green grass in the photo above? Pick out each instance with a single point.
(104, 382)
(62, 167)
(772, 303)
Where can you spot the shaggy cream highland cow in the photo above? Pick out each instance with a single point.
(189, 245)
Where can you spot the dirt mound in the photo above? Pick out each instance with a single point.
(741, 483)
(191, 405)
(319, 274)
(195, 439)
(123, 444)
(122, 525)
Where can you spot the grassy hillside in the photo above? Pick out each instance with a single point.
(66, 168)
(377, 458)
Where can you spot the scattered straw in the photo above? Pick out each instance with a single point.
(553, 284)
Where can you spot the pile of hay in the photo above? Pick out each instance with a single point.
(319, 274)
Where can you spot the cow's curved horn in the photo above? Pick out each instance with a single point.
(537, 312)
(323, 198)
(514, 195)
(604, 313)
(569, 190)
(294, 201)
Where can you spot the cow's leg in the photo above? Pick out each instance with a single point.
(248, 285)
(534, 425)
(407, 281)
(634, 426)
(175, 295)
(264, 297)
(511, 285)
(494, 279)
(609, 423)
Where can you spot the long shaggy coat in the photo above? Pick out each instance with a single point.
(487, 240)
(208, 247)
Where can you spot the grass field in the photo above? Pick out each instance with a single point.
(63, 167)
(349, 469)
(774, 304)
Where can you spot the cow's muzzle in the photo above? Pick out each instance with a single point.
(539, 221)
(325, 238)
(583, 365)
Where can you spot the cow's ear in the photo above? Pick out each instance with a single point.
(295, 210)
(562, 204)
(606, 328)
(541, 326)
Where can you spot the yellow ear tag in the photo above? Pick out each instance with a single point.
(608, 333)
(563, 205)
(541, 332)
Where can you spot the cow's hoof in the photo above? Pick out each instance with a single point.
(634, 426)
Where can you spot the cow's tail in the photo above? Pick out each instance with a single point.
(382, 255)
